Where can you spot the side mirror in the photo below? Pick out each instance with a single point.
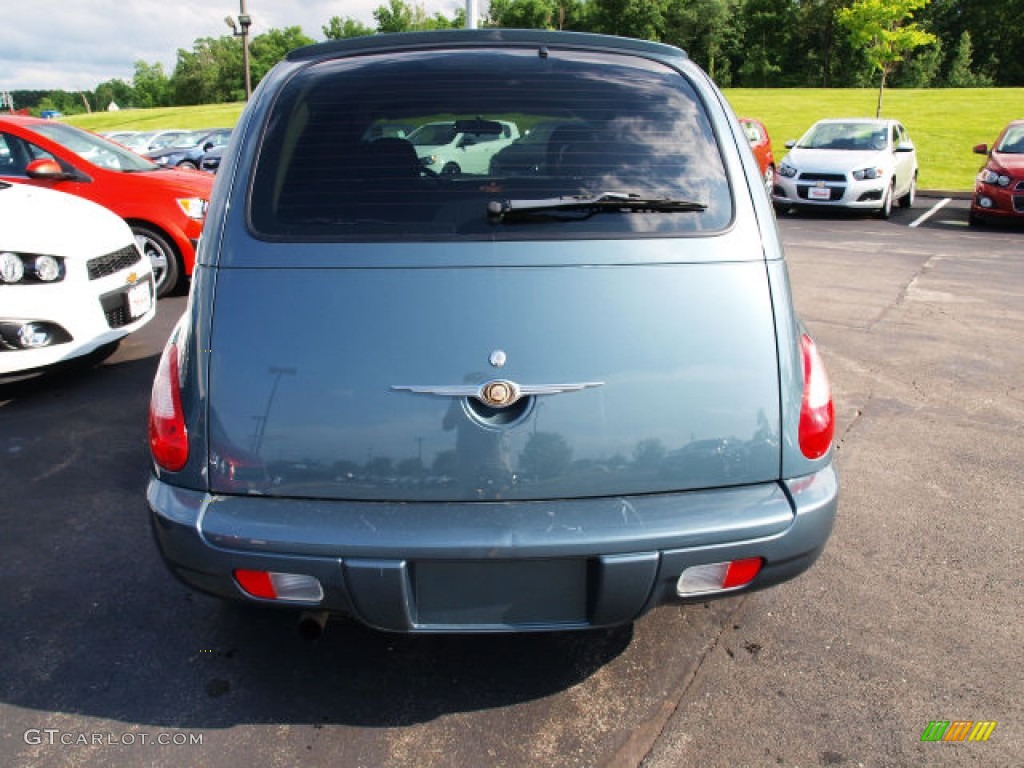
(905, 146)
(790, 144)
(46, 169)
(981, 149)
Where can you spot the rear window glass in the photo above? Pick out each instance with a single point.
(432, 144)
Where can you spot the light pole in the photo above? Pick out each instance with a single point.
(244, 22)
(277, 373)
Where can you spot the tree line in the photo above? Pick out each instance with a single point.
(741, 43)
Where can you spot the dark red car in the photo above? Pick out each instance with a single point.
(999, 185)
(761, 143)
(165, 208)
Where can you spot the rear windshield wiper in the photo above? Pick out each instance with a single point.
(586, 206)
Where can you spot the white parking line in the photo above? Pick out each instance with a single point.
(934, 209)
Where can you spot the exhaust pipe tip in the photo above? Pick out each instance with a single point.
(312, 624)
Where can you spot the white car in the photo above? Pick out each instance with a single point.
(857, 163)
(452, 147)
(72, 279)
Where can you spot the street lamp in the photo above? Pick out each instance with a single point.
(244, 21)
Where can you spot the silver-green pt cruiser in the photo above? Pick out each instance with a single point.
(550, 389)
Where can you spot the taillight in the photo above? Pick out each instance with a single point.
(270, 585)
(817, 416)
(168, 438)
(718, 577)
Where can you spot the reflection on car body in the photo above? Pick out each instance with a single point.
(550, 391)
(461, 146)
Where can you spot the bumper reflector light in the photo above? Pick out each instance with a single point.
(270, 585)
(718, 577)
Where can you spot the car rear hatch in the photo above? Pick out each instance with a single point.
(363, 383)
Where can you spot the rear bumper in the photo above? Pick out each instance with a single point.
(493, 566)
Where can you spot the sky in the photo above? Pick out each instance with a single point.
(75, 45)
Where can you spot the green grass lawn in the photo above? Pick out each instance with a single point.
(944, 123)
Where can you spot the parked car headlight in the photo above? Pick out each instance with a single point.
(787, 170)
(27, 268)
(12, 269)
(989, 176)
(428, 159)
(868, 173)
(47, 268)
(194, 207)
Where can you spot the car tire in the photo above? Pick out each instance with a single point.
(886, 210)
(162, 255)
(451, 169)
(907, 201)
(188, 165)
(975, 220)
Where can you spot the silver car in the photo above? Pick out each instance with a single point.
(543, 395)
(857, 163)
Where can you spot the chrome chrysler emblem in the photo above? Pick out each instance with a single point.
(497, 393)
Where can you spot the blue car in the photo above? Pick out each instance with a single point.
(188, 150)
(525, 396)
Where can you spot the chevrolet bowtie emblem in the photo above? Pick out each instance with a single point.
(497, 393)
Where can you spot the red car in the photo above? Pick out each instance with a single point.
(165, 208)
(999, 185)
(762, 146)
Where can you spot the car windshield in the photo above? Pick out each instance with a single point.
(185, 141)
(486, 126)
(433, 134)
(94, 149)
(1013, 141)
(859, 137)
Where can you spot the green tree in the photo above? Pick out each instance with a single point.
(643, 19)
(152, 87)
(117, 91)
(922, 69)
(961, 73)
(341, 29)
(268, 49)
(767, 25)
(885, 31)
(706, 30)
(211, 73)
(536, 14)
(816, 56)
(397, 16)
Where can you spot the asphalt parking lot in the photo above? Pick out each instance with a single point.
(913, 614)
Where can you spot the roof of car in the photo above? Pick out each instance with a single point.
(870, 120)
(26, 119)
(482, 37)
